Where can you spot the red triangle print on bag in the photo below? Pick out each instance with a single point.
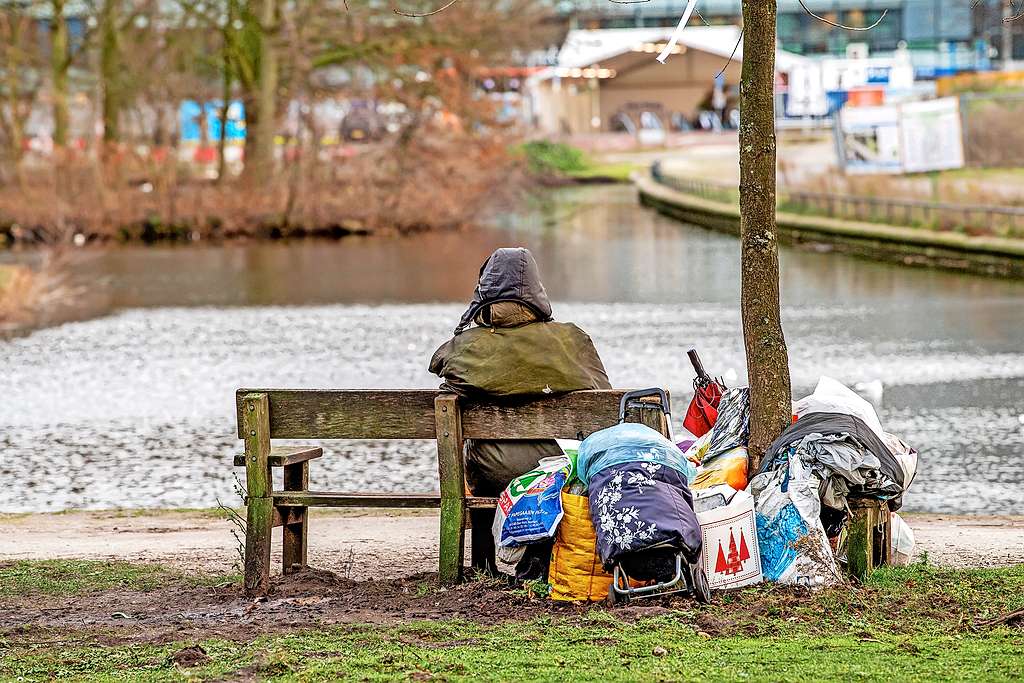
(720, 565)
(744, 552)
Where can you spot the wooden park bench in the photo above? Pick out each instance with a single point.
(267, 414)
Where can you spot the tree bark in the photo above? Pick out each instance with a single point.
(259, 148)
(16, 111)
(60, 61)
(110, 72)
(767, 358)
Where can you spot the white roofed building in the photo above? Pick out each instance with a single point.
(607, 79)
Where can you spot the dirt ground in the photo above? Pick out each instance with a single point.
(372, 567)
(376, 544)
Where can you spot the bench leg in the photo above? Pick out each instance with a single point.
(867, 544)
(452, 477)
(259, 505)
(452, 546)
(259, 522)
(293, 556)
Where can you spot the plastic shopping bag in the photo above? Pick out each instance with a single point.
(790, 537)
(902, 541)
(576, 573)
(530, 508)
(727, 468)
(730, 556)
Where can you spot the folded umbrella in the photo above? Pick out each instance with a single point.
(702, 412)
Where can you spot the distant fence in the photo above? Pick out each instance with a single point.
(971, 218)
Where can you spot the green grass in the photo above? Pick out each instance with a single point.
(914, 623)
(75, 577)
(617, 171)
(547, 158)
(588, 648)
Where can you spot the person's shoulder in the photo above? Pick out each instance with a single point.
(569, 327)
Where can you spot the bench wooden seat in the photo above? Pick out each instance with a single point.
(266, 414)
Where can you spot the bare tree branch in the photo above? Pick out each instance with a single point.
(425, 14)
(735, 47)
(842, 26)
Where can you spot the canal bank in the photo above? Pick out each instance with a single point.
(950, 250)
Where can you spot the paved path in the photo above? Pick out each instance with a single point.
(372, 544)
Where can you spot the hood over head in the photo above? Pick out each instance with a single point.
(509, 274)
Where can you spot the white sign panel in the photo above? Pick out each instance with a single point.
(869, 139)
(930, 138)
(806, 91)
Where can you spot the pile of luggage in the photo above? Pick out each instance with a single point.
(633, 513)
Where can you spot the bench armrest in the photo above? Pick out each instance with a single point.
(286, 455)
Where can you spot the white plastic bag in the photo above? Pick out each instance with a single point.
(792, 542)
(901, 539)
(730, 554)
(832, 396)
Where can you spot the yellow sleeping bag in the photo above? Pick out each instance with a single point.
(576, 573)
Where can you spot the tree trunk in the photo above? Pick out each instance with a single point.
(60, 61)
(767, 358)
(259, 148)
(225, 104)
(110, 65)
(16, 117)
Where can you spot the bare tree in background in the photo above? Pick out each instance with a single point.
(60, 65)
(20, 62)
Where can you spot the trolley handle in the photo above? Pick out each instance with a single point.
(630, 399)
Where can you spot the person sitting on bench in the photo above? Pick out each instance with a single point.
(507, 347)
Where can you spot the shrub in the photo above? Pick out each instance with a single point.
(547, 157)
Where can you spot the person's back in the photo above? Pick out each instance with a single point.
(515, 351)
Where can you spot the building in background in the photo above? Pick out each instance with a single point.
(943, 37)
(607, 80)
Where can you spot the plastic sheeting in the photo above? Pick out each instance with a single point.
(726, 468)
(792, 541)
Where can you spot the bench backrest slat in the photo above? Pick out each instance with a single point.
(409, 414)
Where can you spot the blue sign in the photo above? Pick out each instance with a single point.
(190, 121)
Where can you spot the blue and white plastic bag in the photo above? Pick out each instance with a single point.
(530, 509)
(792, 542)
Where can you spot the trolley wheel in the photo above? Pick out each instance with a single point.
(615, 598)
(701, 589)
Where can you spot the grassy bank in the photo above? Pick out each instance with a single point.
(914, 623)
(557, 161)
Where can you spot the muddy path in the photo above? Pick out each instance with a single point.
(371, 544)
(371, 569)
(308, 599)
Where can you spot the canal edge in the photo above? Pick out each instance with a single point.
(993, 256)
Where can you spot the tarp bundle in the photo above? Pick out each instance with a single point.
(839, 432)
(836, 449)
